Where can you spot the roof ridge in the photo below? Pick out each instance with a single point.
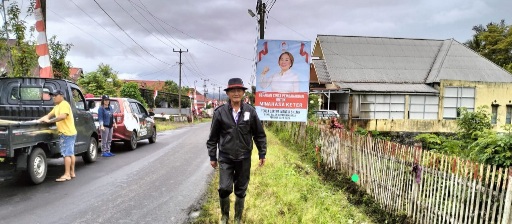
(381, 37)
(441, 63)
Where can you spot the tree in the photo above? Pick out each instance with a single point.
(472, 124)
(172, 87)
(494, 42)
(22, 53)
(58, 53)
(131, 90)
(103, 81)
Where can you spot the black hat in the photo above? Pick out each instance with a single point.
(105, 97)
(235, 83)
(57, 92)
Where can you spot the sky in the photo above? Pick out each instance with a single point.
(139, 38)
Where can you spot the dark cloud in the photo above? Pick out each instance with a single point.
(220, 35)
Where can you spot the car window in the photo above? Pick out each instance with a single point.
(29, 93)
(94, 105)
(142, 110)
(78, 98)
(135, 108)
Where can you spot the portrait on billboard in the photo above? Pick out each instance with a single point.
(282, 79)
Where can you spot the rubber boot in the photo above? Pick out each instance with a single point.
(224, 208)
(239, 209)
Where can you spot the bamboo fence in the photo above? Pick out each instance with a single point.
(428, 187)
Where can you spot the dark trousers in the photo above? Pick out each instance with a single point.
(234, 172)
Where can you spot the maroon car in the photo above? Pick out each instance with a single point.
(133, 121)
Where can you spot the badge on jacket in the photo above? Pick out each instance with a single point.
(246, 116)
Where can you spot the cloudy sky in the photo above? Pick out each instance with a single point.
(137, 38)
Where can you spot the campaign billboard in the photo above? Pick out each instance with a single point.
(282, 80)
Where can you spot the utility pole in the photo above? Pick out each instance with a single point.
(205, 92)
(261, 8)
(219, 94)
(179, 85)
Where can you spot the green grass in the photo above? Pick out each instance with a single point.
(286, 190)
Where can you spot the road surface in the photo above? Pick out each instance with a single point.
(162, 182)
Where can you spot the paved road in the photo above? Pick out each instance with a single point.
(156, 183)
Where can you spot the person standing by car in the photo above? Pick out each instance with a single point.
(63, 117)
(234, 127)
(107, 125)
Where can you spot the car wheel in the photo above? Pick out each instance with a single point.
(91, 154)
(37, 166)
(152, 139)
(132, 144)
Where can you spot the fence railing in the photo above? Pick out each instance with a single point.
(428, 187)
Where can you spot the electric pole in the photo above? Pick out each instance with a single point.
(205, 92)
(219, 94)
(179, 85)
(261, 8)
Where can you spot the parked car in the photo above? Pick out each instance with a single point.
(326, 114)
(25, 145)
(133, 120)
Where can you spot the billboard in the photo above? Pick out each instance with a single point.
(282, 80)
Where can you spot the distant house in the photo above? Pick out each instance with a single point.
(411, 85)
(159, 85)
(147, 84)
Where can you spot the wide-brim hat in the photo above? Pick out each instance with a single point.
(235, 83)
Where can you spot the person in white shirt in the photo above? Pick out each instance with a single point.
(283, 81)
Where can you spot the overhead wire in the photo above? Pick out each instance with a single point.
(191, 61)
(151, 33)
(106, 31)
(124, 31)
(192, 37)
(157, 20)
(158, 71)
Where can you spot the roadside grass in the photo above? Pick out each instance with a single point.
(162, 125)
(285, 190)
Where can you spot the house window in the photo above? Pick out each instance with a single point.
(456, 97)
(423, 107)
(509, 114)
(494, 113)
(382, 106)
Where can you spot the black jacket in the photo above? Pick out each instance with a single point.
(234, 140)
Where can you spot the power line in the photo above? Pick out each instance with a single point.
(116, 49)
(287, 27)
(157, 20)
(158, 71)
(154, 25)
(129, 35)
(140, 23)
(109, 32)
(200, 41)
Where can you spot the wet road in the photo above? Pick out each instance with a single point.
(156, 183)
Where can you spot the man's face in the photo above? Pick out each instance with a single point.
(57, 98)
(235, 95)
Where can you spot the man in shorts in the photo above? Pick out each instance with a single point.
(62, 115)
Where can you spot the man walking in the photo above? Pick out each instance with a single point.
(63, 117)
(234, 127)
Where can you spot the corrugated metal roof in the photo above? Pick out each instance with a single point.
(397, 60)
(462, 63)
(370, 59)
(387, 87)
(321, 71)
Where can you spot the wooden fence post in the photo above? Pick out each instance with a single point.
(508, 200)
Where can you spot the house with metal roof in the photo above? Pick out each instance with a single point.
(411, 85)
